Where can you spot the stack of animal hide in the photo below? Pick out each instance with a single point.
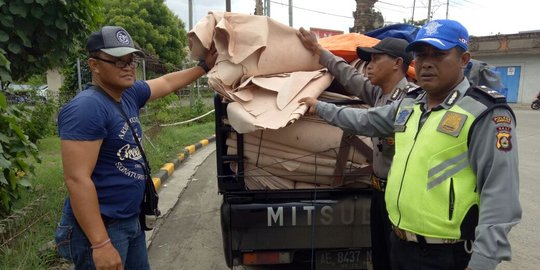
(263, 70)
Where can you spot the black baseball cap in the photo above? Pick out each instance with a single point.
(112, 40)
(392, 46)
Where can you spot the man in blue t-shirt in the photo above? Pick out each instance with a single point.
(104, 170)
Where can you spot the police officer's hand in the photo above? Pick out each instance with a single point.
(311, 102)
(107, 258)
(309, 40)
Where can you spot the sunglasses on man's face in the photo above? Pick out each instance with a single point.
(133, 63)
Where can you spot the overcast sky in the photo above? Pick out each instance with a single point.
(480, 17)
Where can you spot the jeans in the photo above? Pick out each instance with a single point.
(126, 236)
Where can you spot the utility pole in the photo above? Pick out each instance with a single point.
(447, 4)
(190, 8)
(267, 7)
(429, 11)
(290, 13)
(413, 8)
(228, 5)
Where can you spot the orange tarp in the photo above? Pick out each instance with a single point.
(345, 45)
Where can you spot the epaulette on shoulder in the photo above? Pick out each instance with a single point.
(486, 95)
(412, 91)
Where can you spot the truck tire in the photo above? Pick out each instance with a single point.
(226, 233)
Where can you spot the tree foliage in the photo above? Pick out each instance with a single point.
(34, 35)
(152, 25)
(416, 23)
(38, 34)
(15, 149)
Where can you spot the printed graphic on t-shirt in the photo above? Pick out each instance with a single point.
(130, 151)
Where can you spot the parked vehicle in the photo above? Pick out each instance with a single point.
(24, 93)
(535, 105)
(327, 228)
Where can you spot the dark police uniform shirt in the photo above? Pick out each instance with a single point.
(359, 85)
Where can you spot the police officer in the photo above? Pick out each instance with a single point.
(385, 82)
(452, 194)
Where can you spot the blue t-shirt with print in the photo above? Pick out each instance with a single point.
(119, 177)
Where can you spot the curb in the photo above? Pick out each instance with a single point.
(168, 168)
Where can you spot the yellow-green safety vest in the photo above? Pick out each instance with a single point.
(431, 185)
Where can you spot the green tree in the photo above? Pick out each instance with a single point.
(34, 35)
(38, 34)
(416, 23)
(152, 25)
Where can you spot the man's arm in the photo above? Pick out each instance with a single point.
(494, 157)
(79, 159)
(173, 81)
(355, 83)
(373, 122)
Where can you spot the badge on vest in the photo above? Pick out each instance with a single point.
(452, 123)
(401, 119)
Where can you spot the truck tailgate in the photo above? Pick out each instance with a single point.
(280, 220)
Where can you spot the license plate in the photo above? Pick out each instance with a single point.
(347, 259)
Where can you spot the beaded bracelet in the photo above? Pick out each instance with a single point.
(102, 244)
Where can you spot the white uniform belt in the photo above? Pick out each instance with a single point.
(413, 237)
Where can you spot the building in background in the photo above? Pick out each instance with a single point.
(516, 58)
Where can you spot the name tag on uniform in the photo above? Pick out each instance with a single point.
(401, 119)
(452, 123)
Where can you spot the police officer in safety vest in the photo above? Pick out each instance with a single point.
(384, 81)
(452, 193)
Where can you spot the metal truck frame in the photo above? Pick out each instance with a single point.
(323, 228)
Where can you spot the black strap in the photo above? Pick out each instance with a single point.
(118, 105)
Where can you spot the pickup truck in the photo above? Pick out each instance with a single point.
(321, 228)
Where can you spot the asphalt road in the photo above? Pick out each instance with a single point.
(190, 235)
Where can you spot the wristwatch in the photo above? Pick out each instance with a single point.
(204, 66)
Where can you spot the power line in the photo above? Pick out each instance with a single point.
(392, 4)
(312, 10)
(387, 8)
(473, 3)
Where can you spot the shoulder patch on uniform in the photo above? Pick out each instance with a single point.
(504, 139)
(503, 119)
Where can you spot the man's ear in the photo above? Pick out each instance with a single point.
(465, 58)
(399, 63)
(92, 64)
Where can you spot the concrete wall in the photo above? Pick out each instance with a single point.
(529, 83)
(54, 81)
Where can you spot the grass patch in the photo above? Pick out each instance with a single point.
(28, 251)
(171, 140)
